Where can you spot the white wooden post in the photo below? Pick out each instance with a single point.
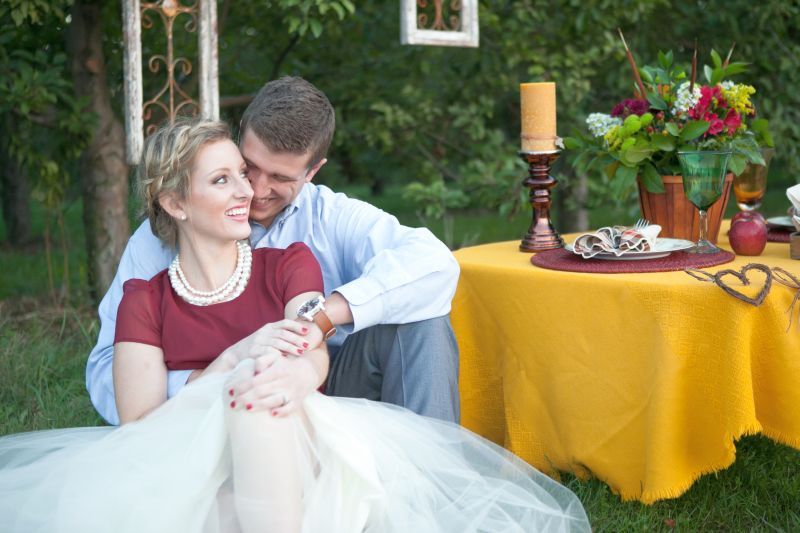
(132, 59)
(209, 59)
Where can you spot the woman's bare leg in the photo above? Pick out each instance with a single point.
(266, 471)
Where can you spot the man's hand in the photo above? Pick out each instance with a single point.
(338, 309)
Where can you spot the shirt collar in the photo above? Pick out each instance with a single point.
(294, 206)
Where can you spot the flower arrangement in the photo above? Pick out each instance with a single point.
(641, 136)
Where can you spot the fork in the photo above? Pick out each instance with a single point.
(641, 223)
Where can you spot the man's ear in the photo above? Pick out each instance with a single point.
(313, 170)
(174, 207)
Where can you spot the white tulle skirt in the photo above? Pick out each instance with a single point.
(194, 465)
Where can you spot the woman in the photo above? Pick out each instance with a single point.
(249, 446)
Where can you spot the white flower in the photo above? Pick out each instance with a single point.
(600, 123)
(685, 100)
(728, 85)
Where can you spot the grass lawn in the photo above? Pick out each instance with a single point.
(44, 345)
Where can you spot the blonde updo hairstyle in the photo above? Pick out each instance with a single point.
(166, 166)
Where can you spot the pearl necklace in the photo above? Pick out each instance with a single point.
(233, 286)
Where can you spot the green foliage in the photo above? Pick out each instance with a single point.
(46, 124)
(48, 127)
(33, 11)
(303, 16)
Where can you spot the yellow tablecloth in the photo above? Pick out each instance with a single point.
(642, 380)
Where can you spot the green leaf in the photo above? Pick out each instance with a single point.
(636, 154)
(316, 27)
(626, 174)
(339, 11)
(651, 179)
(610, 170)
(737, 163)
(665, 143)
(656, 102)
(644, 73)
(673, 129)
(716, 58)
(573, 143)
(760, 127)
(694, 129)
(734, 68)
(662, 60)
(708, 72)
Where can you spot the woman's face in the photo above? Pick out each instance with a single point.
(218, 202)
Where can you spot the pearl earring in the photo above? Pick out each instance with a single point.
(183, 217)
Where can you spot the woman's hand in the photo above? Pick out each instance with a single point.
(278, 384)
(286, 336)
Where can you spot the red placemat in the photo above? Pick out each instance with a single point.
(778, 234)
(561, 259)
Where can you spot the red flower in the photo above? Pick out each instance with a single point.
(710, 98)
(715, 124)
(630, 106)
(732, 121)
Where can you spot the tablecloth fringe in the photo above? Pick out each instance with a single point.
(651, 496)
(782, 438)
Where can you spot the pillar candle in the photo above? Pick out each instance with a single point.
(538, 103)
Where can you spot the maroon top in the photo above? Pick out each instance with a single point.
(192, 336)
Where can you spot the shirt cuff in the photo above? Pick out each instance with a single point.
(366, 303)
(176, 380)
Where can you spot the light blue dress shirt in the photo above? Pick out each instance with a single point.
(389, 273)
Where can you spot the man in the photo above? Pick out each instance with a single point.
(388, 287)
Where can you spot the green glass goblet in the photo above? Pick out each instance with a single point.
(703, 179)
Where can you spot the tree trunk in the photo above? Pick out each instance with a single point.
(103, 168)
(571, 202)
(15, 193)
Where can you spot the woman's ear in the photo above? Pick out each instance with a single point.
(174, 207)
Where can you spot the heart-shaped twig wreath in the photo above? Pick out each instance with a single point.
(781, 276)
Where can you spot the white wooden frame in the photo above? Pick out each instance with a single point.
(411, 34)
(134, 100)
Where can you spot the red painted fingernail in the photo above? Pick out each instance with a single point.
(230, 392)
(257, 372)
(248, 406)
(305, 345)
(274, 413)
(299, 350)
(305, 330)
(233, 404)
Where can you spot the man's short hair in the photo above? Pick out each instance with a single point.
(291, 115)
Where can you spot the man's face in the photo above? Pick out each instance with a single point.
(276, 177)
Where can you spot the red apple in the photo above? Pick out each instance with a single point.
(748, 234)
(756, 214)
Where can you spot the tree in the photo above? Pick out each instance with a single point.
(103, 169)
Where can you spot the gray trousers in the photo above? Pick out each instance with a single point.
(412, 365)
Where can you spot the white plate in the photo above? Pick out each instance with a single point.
(783, 222)
(663, 248)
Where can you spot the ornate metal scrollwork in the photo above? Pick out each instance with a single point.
(171, 100)
(453, 17)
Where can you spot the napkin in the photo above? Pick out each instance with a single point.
(617, 240)
(793, 193)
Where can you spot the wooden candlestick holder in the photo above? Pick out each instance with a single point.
(541, 234)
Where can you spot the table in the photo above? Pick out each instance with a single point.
(641, 380)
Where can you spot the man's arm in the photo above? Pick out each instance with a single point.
(143, 258)
(399, 274)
